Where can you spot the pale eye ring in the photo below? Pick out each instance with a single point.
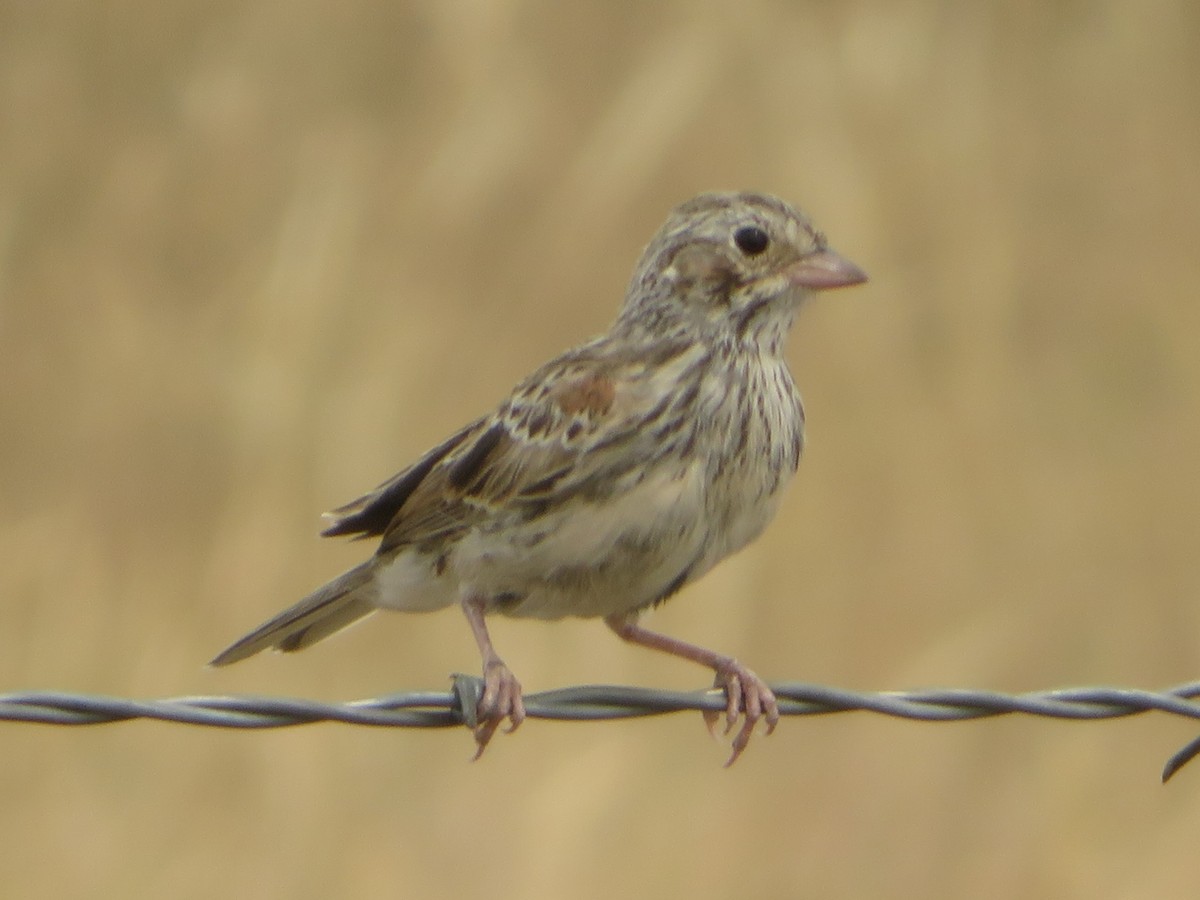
(751, 240)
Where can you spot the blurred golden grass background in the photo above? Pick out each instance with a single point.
(256, 256)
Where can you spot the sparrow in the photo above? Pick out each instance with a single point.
(613, 476)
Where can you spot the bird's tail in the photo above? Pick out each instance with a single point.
(330, 608)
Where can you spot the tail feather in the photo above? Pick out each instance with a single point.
(327, 609)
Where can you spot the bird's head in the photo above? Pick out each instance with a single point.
(732, 266)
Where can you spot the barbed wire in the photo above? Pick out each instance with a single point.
(433, 709)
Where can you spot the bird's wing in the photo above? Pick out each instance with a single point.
(370, 514)
(572, 428)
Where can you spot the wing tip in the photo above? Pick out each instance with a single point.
(231, 654)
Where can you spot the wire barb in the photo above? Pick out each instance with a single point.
(432, 709)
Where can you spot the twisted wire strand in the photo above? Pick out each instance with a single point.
(433, 709)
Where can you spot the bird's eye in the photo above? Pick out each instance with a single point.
(751, 240)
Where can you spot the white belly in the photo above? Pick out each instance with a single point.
(587, 559)
(591, 558)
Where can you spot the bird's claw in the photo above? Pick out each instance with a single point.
(501, 700)
(748, 698)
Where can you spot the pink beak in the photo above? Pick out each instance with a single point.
(825, 269)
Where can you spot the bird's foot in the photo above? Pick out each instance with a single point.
(748, 698)
(501, 700)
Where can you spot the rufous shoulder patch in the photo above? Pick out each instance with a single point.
(593, 395)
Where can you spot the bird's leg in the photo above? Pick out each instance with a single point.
(501, 691)
(747, 696)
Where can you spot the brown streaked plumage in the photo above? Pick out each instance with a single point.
(615, 474)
